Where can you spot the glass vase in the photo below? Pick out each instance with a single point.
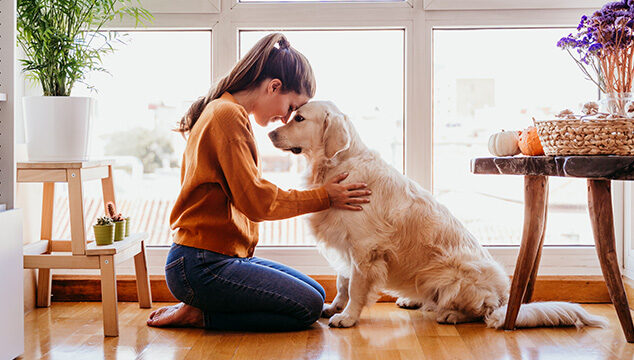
(616, 104)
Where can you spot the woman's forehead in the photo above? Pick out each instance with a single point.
(299, 99)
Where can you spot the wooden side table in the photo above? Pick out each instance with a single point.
(599, 171)
(77, 253)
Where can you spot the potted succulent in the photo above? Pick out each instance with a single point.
(57, 39)
(104, 231)
(119, 222)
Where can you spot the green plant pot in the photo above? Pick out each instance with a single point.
(119, 230)
(104, 234)
(127, 226)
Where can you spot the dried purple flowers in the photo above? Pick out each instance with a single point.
(603, 46)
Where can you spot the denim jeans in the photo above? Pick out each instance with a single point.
(243, 293)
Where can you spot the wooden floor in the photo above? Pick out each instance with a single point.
(74, 331)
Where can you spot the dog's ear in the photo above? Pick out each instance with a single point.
(336, 136)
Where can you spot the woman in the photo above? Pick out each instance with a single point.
(210, 267)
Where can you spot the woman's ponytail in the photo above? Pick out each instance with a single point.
(271, 57)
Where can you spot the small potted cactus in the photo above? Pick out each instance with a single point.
(104, 231)
(119, 222)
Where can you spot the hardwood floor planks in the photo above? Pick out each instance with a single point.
(74, 330)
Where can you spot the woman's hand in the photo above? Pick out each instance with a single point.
(344, 196)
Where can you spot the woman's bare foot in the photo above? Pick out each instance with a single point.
(180, 315)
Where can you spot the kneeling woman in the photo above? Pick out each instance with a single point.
(210, 267)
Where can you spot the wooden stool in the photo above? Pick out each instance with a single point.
(77, 253)
(599, 171)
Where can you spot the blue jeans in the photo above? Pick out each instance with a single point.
(243, 293)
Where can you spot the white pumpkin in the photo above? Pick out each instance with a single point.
(504, 143)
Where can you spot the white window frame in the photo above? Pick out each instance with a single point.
(626, 257)
(418, 18)
(182, 6)
(510, 4)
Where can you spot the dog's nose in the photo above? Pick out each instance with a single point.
(273, 135)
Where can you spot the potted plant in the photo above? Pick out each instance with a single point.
(104, 231)
(57, 39)
(127, 226)
(603, 48)
(119, 222)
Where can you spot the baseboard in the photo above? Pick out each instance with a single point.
(579, 289)
(629, 290)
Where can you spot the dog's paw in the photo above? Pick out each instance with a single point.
(341, 321)
(448, 317)
(453, 317)
(330, 309)
(406, 303)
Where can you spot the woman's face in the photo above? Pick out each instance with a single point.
(274, 105)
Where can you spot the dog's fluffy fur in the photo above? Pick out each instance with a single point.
(404, 242)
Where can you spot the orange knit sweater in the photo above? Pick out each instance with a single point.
(222, 195)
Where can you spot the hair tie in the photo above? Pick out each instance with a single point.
(283, 43)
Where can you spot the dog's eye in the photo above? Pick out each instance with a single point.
(299, 118)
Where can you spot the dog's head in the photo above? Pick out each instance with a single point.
(318, 128)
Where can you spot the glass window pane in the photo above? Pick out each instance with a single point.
(486, 81)
(152, 81)
(365, 81)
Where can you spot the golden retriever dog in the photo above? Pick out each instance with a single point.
(404, 243)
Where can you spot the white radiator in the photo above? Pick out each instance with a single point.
(11, 280)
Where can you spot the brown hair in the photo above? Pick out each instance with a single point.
(272, 57)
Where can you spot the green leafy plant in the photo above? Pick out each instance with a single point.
(57, 37)
(104, 220)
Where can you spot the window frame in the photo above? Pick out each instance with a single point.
(584, 257)
(183, 7)
(418, 19)
(513, 4)
(340, 2)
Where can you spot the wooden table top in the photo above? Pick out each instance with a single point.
(593, 167)
(64, 164)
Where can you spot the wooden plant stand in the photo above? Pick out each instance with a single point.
(77, 253)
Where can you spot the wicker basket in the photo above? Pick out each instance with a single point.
(586, 137)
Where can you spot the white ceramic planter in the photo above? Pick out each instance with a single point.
(57, 127)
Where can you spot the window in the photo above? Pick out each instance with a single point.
(413, 79)
(152, 80)
(488, 80)
(349, 76)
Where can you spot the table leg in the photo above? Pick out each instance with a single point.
(109, 296)
(528, 295)
(76, 209)
(535, 200)
(142, 279)
(600, 208)
(46, 233)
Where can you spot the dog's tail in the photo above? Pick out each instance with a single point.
(552, 313)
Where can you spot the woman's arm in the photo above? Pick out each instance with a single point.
(261, 200)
